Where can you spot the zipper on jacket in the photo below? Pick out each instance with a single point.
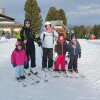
(74, 51)
(62, 49)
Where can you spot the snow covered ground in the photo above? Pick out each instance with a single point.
(87, 88)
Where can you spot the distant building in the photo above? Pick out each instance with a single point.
(8, 24)
(59, 26)
(2, 11)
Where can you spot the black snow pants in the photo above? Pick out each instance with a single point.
(30, 52)
(73, 63)
(47, 56)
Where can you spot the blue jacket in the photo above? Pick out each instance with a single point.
(74, 51)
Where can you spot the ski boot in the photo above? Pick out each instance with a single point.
(34, 70)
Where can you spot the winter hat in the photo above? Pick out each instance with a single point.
(47, 23)
(73, 36)
(61, 34)
(19, 43)
(27, 20)
(61, 40)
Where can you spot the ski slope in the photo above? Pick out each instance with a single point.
(87, 88)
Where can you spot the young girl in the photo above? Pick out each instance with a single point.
(61, 49)
(74, 51)
(19, 60)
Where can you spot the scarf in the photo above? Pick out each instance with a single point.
(50, 30)
(74, 44)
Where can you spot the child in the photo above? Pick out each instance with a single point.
(74, 51)
(18, 60)
(61, 49)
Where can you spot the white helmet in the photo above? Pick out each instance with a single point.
(47, 23)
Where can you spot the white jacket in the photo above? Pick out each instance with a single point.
(48, 39)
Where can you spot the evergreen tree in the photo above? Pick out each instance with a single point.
(96, 31)
(62, 16)
(54, 14)
(32, 12)
(80, 31)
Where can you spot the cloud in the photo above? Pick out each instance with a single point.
(85, 10)
(88, 7)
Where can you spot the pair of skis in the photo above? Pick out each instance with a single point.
(53, 74)
(24, 82)
(75, 75)
(31, 79)
(56, 74)
(43, 79)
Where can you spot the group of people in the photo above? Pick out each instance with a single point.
(25, 51)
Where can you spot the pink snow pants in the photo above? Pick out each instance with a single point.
(60, 60)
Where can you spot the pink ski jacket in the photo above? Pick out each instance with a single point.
(18, 57)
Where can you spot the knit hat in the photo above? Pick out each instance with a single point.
(61, 34)
(18, 43)
(73, 36)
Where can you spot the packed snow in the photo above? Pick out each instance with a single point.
(86, 88)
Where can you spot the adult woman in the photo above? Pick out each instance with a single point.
(47, 38)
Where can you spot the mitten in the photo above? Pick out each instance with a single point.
(39, 43)
(14, 64)
(68, 55)
(26, 64)
(80, 55)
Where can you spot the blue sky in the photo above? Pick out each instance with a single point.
(78, 12)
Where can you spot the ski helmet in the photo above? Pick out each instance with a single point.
(47, 23)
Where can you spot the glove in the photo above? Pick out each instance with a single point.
(80, 55)
(25, 41)
(14, 64)
(68, 55)
(26, 64)
(39, 44)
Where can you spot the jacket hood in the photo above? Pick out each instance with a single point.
(27, 20)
